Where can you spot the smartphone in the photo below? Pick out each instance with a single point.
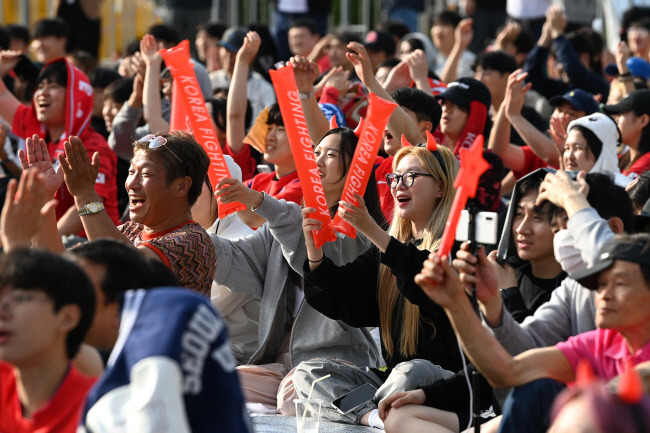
(487, 225)
(355, 398)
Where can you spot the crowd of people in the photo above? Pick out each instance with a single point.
(128, 301)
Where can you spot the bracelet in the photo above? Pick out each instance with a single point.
(315, 261)
(307, 95)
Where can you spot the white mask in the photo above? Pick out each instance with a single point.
(566, 254)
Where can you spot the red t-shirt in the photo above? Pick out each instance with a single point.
(59, 415)
(384, 166)
(244, 160)
(106, 182)
(287, 187)
(532, 162)
(640, 166)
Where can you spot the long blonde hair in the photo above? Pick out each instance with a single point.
(401, 229)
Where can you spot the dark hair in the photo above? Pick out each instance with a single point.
(161, 275)
(545, 210)
(212, 28)
(5, 38)
(166, 34)
(101, 77)
(394, 27)
(219, 114)
(18, 31)
(389, 63)
(524, 42)
(50, 27)
(594, 143)
(195, 161)
(447, 18)
(499, 61)
(306, 23)
(347, 145)
(425, 106)
(609, 199)
(131, 48)
(275, 116)
(55, 72)
(119, 90)
(126, 267)
(415, 44)
(62, 280)
(346, 36)
(583, 40)
(640, 192)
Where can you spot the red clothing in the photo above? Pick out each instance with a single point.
(353, 105)
(605, 349)
(243, 159)
(287, 187)
(640, 166)
(60, 415)
(79, 107)
(384, 166)
(532, 162)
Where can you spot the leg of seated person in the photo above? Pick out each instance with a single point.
(286, 395)
(344, 377)
(409, 375)
(260, 383)
(418, 418)
(528, 407)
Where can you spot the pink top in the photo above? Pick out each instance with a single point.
(605, 349)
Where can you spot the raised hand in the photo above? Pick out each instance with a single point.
(516, 93)
(340, 80)
(306, 72)
(556, 20)
(359, 58)
(464, 33)
(559, 187)
(36, 156)
(357, 216)
(557, 131)
(622, 54)
(233, 190)
(314, 255)
(507, 36)
(79, 171)
(439, 281)
(398, 77)
(417, 64)
(149, 50)
(26, 204)
(8, 60)
(249, 49)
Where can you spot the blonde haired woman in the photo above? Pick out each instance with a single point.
(377, 288)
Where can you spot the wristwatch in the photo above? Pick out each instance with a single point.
(91, 208)
(307, 95)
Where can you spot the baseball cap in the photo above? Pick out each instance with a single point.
(628, 248)
(465, 90)
(637, 101)
(377, 40)
(580, 99)
(233, 38)
(639, 68)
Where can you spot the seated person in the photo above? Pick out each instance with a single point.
(61, 107)
(622, 317)
(165, 179)
(46, 307)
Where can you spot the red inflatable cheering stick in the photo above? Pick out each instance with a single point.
(188, 99)
(472, 166)
(284, 82)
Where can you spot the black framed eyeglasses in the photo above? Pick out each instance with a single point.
(157, 141)
(407, 178)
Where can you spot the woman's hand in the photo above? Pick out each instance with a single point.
(249, 49)
(314, 255)
(399, 399)
(306, 72)
(233, 190)
(149, 50)
(357, 216)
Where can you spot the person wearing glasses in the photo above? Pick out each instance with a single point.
(47, 305)
(377, 289)
(165, 179)
(61, 107)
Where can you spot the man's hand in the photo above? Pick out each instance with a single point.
(359, 58)
(79, 171)
(249, 49)
(564, 192)
(36, 156)
(556, 20)
(506, 38)
(26, 204)
(418, 66)
(516, 93)
(557, 131)
(622, 54)
(464, 33)
(8, 60)
(476, 270)
(398, 77)
(306, 72)
(440, 282)
(399, 399)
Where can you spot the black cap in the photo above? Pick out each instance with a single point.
(233, 38)
(465, 90)
(637, 101)
(630, 249)
(377, 40)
